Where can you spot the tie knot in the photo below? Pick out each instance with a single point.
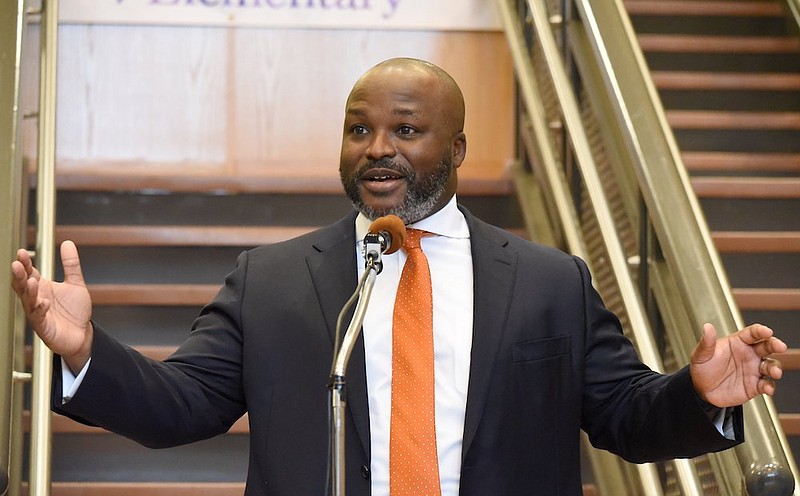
(413, 237)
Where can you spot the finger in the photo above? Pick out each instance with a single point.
(71, 263)
(705, 348)
(755, 333)
(25, 261)
(763, 367)
(775, 345)
(773, 368)
(766, 386)
(769, 346)
(30, 295)
(18, 277)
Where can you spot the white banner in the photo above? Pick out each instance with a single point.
(457, 15)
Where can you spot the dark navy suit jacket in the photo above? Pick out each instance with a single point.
(547, 360)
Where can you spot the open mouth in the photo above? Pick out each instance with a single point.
(381, 175)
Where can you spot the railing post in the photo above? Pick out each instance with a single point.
(11, 29)
(40, 437)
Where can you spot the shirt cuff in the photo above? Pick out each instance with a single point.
(70, 382)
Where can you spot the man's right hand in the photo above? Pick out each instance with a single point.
(59, 312)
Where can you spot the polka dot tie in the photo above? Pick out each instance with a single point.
(413, 462)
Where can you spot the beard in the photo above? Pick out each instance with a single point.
(422, 193)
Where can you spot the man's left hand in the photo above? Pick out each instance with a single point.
(733, 369)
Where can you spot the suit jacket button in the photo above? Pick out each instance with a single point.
(365, 472)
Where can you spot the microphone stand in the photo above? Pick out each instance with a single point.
(337, 384)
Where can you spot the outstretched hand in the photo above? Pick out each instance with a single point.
(58, 312)
(733, 369)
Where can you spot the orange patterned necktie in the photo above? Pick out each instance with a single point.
(413, 461)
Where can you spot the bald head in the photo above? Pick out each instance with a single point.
(425, 75)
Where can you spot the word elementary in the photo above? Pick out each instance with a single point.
(386, 7)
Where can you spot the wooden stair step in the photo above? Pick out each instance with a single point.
(181, 236)
(144, 235)
(473, 179)
(718, 44)
(200, 294)
(742, 162)
(790, 359)
(757, 241)
(711, 80)
(718, 119)
(153, 294)
(65, 425)
(747, 187)
(705, 8)
(145, 489)
(781, 299)
(790, 423)
(169, 489)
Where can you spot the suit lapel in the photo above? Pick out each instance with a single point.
(333, 272)
(494, 266)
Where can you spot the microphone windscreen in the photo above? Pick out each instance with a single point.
(394, 226)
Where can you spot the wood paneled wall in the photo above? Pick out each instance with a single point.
(242, 108)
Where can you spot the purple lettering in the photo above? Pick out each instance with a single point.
(394, 4)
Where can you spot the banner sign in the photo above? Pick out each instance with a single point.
(449, 15)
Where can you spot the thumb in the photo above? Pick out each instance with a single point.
(71, 263)
(705, 348)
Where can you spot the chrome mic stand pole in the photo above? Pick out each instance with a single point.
(337, 383)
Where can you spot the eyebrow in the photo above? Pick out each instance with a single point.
(397, 111)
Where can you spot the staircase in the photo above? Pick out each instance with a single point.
(728, 74)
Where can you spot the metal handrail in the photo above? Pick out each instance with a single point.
(11, 187)
(540, 20)
(677, 219)
(41, 429)
(794, 10)
(650, 150)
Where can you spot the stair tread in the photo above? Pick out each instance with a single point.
(747, 187)
(790, 423)
(145, 489)
(757, 241)
(65, 425)
(686, 43)
(718, 80)
(200, 294)
(725, 119)
(145, 235)
(168, 489)
(767, 298)
(153, 294)
(705, 8)
(474, 179)
(791, 359)
(163, 235)
(741, 162)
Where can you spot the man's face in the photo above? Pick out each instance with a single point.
(399, 148)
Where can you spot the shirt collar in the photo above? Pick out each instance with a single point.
(448, 222)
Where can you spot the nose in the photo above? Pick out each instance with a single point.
(380, 146)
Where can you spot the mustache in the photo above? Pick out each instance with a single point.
(387, 164)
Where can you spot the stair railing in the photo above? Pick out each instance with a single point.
(13, 198)
(600, 145)
(11, 231)
(794, 9)
(42, 368)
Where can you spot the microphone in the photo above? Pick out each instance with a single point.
(386, 235)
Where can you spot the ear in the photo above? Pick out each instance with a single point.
(459, 149)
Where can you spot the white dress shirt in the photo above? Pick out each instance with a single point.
(450, 260)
